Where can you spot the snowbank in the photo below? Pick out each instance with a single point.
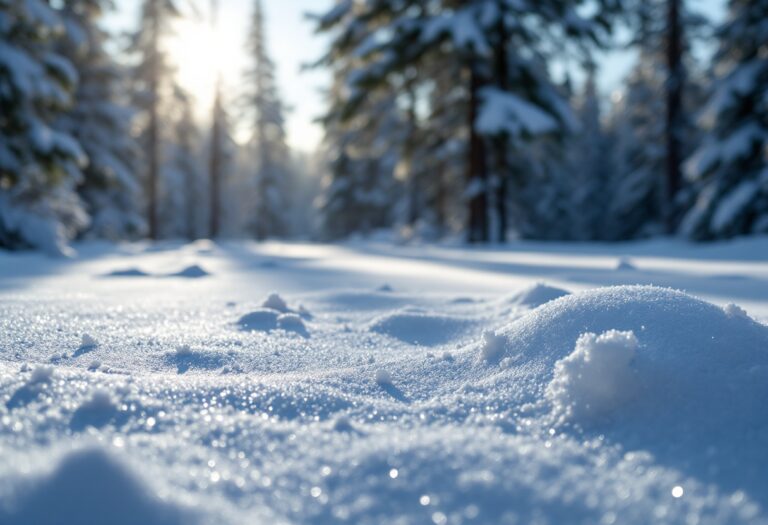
(669, 373)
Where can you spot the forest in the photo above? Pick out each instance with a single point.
(473, 120)
(321, 262)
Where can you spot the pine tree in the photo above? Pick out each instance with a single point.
(39, 164)
(509, 96)
(649, 149)
(360, 188)
(268, 143)
(730, 168)
(637, 134)
(101, 122)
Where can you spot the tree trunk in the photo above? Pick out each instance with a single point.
(214, 166)
(477, 175)
(153, 128)
(501, 209)
(414, 206)
(674, 117)
(501, 144)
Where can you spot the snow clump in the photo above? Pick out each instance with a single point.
(40, 375)
(383, 377)
(492, 347)
(88, 342)
(596, 378)
(275, 302)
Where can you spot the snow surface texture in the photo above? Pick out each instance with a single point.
(464, 393)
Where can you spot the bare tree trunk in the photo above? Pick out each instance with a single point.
(414, 211)
(153, 128)
(215, 166)
(674, 115)
(477, 175)
(500, 143)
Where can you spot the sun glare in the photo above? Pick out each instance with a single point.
(200, 54)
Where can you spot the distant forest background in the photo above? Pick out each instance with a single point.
(443, 120)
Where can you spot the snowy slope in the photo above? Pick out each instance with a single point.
(165, 384)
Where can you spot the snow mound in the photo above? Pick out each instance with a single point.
(596, 378)
(201, 247)
(95, 412)
(127, 272)
(420, 328)
(89, 486)
(191, 272)
(275, 302)
(262, 320)
(536, 295)
(40, 375)
(292, 323)
(670, 373)
(625, 263)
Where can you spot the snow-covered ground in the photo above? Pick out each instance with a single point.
(166, 384)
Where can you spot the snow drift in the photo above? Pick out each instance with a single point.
(90, 487)
(652, 369)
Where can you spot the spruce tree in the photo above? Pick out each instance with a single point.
(360, 189)
(653, 133)
(39, 164)
(101, 121)
(509, 96)
(730, 168)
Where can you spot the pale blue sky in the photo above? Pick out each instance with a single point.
(292, 43)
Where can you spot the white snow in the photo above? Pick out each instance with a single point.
(536, 295)
(477, 390)
(492, 346)
(421, 328)
(596, 378)
(292, 323)
(383, 377)
(504, 112)
(88, 341)
(275, 302)
(194, 271)
(41, 374)
(262, 319)
(90, 486)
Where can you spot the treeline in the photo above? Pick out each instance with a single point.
(108, 145)
(445, 118)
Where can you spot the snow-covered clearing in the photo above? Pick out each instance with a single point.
(166, 384)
